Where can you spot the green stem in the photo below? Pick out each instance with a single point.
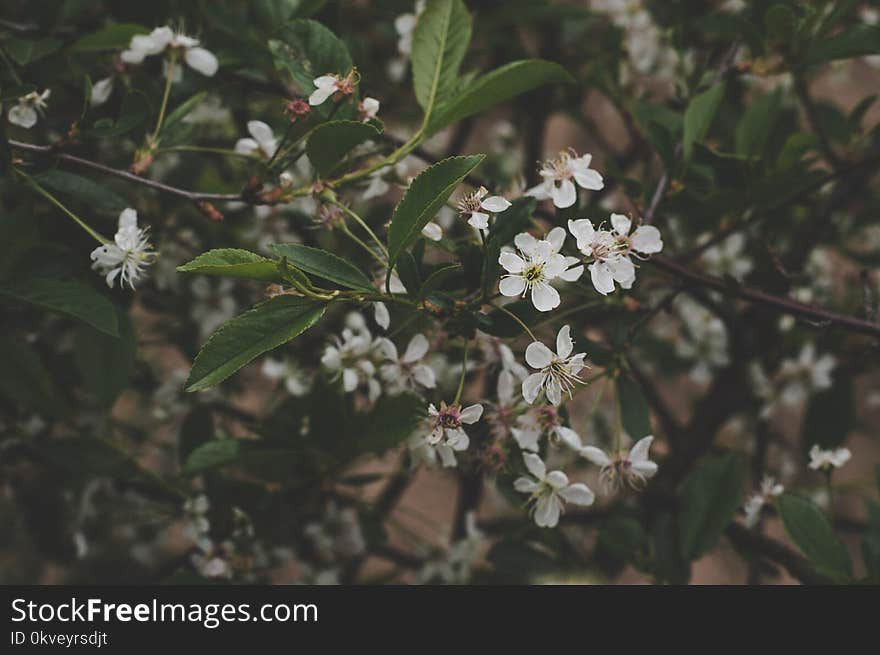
(48, 196)
(204, 149)
(345, 229)
(464, 360)
(517, 319)
(169, 76)
(363, 225)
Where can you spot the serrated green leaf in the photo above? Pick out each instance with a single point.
(67, 297)
(213, 454)
(234, 262)
(698, 116)
(268, 325)
(811, 531)
(495, 87)
(634, 411)
(424, 198)
(709, 498)
(440, 40)
(329, 143)
(324, 264)
(755, 126)
(112, 37)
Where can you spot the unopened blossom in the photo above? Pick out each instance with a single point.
(162, 38)
(295, 379)
(28, 108)
(381, 315)
(476, 207)
(101, 91)
(560, 176)
(557, 372)
(128, 255)
(542, 420)
(828, 460)
(328, 85)
(549, 490)
(755, 503)
(531, 271)
(368, 108)
(445, 432)
(610, 250)
(408, 371)
(262, 141)
(353, 356)
(296, 109)
(620, 469)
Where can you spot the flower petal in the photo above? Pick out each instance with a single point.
(547, 511)
(564, 195)
(545, 297)
(512, 285)
(495, 204)
(621, 224)
(479, 220)
(416, 349)
(578, 494)
(646, 239)
(202, 61)
(535, 465)
(602, 278)
(596, 455)
(538, 356)
(531, 387)
(471, 414)
(564, 343)
(511, 262)
(381, 315)
(589, 179)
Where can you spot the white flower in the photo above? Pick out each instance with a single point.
(557, 373)
(368, 108)
(213, 303)
(806, 374)
(753, 506)
(377, 186)
(432, 231)
(262, 143)
(27, 110)
(504, 411)
(573, 267)
(128, 255)
(352, 358)
(543, 420)
(532, 269)
(474, 207)
(327, 85)
(338, 536)
(159, 39)
(405, 25)
(727, 258)
(381, 315)
(827, 460)
(558, 174)
(548, 490)
(407, 371)
(620, 469)
(611, 250)
(446, 434)
(295, 379)
(101, 91)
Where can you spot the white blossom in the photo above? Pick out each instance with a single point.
(727, 257)
(549, 490)
(101, 91)
(128, 255)
(295, 379)
(263, 141)
(368, 108)
(446, 435)
(557, 372)
(621, 469)
(542, 420)
(826, 460)
(476, 207)
(532, 270)
(432, 231)
(353, 358)
(560, 176)
(28, 108)
(755, 503)
(381, 315)
(162, 38)
(573, 266)
(407, 371)
(405, 25)
(338, 535)
(328, 85)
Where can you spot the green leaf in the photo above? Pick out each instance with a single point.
(497, 86)
(306, 50)
(213, 454)
(634, 410)
(106, 363)
(811, 531)
(329, 143)
(183, 109)
(698, 117)
(241, 339)
(234, 262)
(440, 41)
(754, 128)
(324, 264)
(24, 380)
(856, 41)
(780, 22)
(709, 498)
(424, 198)
(112, 37)
(24, 51)
(67, 297)
(98, 196)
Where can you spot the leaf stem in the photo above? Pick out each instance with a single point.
(517, 319)
(345, 208)
(52, 199)
(464, 360)
(169, 79)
